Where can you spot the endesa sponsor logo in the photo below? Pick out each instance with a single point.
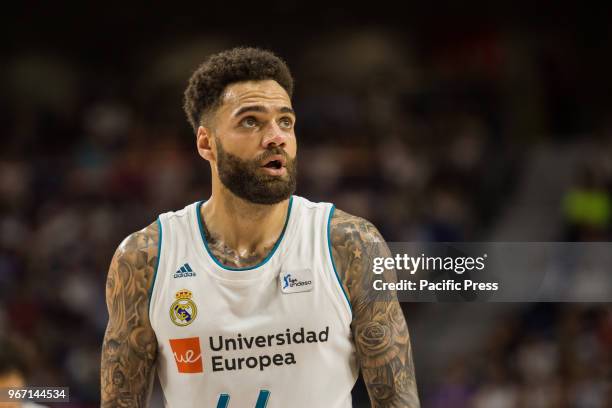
(187, 354)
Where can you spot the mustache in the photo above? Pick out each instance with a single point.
(272, 152)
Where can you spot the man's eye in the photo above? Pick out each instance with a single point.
(249, 122)
(286, 122)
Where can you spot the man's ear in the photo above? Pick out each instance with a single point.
(204, 142)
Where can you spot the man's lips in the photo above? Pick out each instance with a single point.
(276, 161)
(275, 165)
(275, 172)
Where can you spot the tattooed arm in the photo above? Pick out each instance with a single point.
(379, 328)
(130, 347)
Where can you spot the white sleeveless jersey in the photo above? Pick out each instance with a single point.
(274, 335)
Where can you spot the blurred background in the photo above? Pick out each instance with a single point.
(490, 122)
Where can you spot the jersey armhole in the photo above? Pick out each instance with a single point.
(333, 263)
(159, 247)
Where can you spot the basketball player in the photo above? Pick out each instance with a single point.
(255, 297)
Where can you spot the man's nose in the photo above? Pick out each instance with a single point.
(275, 137)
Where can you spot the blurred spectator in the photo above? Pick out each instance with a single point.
(13, 373)
(587, 207)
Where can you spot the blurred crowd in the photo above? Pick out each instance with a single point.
(548, 356)
(587, 203)
(422, 133)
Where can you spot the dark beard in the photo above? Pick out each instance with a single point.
(245, 179)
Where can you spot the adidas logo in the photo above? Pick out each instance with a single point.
(184, 271)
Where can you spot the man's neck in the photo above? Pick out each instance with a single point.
(240, 233)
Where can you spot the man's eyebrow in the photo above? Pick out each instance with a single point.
(286, 109)
(260, 108)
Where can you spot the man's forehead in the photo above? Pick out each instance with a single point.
(260, 92)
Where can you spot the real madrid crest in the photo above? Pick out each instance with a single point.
(183, 311)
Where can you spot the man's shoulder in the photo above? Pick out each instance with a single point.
(352, 238)
(136, 257)
(131, 273)
(355, 242)
(144, 240)
(187, 210)
(345, 226)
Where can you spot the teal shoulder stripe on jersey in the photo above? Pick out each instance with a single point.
(159, 245)
(266, 259)
(223, 401)
(262, 399)
(331, 256)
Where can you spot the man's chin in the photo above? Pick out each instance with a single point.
(269, 192)
(267, 199)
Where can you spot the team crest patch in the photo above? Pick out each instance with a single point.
(183, 311)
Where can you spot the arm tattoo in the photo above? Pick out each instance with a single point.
(130, 348)
(231, 257)
(379, 328)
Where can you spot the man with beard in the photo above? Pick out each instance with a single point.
(255, 297)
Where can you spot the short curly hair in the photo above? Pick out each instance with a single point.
(206, 85)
